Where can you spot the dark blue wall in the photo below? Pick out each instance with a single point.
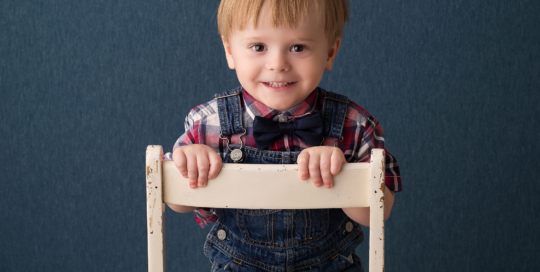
(87, 85)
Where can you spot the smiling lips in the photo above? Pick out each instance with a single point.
(278, 84)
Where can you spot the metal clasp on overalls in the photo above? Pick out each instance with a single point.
(236, 154)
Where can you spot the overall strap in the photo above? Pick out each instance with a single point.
(334, 111)
(230, 112)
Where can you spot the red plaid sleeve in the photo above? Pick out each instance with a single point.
(373, 137)
(195, 122)
(205, 216)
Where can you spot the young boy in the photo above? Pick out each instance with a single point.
(280, 50)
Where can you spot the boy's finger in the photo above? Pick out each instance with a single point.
(192, 171)
(314, 169)
(181, 163)
(303, 160)
(325, 170)
(202, 167)
(337, 161)
(215, 165)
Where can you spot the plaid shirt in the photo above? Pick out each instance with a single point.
(361, 133)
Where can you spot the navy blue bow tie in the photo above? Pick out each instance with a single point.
(308, 128)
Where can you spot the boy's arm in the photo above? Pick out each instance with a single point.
(361, 215)
(196, 162)
(321, 163)
(181, 209)
(373, 137)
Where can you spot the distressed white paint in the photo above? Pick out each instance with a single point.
(376, 212)
(267, 186)
(155, 209)
(255, 186)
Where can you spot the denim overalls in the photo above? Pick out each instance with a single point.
(281, 240)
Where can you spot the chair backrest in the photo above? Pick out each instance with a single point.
(277, 186)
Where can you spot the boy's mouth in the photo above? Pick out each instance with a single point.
(278, 84)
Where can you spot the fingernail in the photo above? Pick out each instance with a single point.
(304, 177)
(328, 185)
(317, 184)
(193, 186)
(201, 184)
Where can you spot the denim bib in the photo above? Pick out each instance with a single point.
(281, 240)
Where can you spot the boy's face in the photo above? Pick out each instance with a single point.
(280, 67)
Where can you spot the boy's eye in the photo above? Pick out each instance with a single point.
(258, 48)
(298, 48)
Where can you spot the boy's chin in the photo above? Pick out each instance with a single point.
(276, 101)
(279, 105)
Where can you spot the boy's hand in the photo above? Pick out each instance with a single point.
(198, 163)
(320, 163)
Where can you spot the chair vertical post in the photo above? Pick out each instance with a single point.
(155, 209)
(376, 211)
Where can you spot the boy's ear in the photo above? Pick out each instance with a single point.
(228, 53)
(332, 52)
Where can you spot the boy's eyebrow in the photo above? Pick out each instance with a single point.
(306, 39)
(250, 38)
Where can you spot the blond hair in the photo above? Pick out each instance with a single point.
(236, 14)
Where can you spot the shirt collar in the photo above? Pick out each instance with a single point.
(257, 108)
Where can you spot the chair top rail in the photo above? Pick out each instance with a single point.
(264, 186)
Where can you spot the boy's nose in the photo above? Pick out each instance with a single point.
(278, 62)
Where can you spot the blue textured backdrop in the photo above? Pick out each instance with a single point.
(87, 85)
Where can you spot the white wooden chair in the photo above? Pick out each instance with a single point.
(276, 187)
